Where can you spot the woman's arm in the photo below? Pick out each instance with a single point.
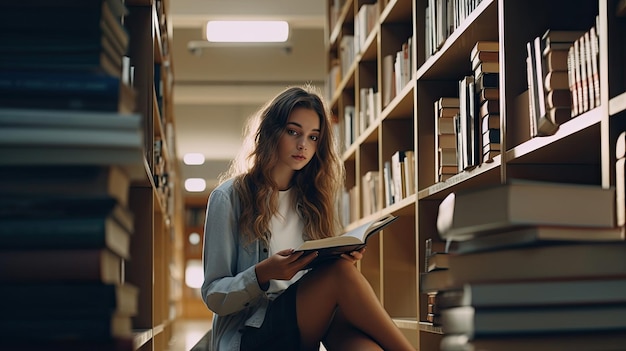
(225, 289)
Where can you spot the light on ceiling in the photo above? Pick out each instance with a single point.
(193, 158)
(194, 274)
(247, 31)
(195, 185)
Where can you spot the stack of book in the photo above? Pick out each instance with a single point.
(486, 67)
(70, 146)
(554, 46)
(549, 83)
(446, 111)
(535, 265)
(80, 64)
(65, 234)
(436, 261)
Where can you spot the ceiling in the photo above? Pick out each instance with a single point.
(216, 88)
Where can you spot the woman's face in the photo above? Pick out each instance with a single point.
(298, 143)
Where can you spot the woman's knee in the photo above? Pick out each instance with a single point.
(343, 269)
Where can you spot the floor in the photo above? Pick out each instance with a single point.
(187, 332)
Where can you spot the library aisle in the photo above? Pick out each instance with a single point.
(187, 332)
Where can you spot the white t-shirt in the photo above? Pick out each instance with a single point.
(286, 228)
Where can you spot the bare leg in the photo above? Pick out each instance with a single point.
(340, 285)
(343, 336)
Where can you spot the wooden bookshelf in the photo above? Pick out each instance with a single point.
(581, 151)
(195, 211)
(156, 266)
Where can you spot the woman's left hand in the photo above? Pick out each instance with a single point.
(353, 256)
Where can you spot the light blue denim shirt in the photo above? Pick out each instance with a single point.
(230, 287)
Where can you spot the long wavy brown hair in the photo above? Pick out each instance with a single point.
(315, 187)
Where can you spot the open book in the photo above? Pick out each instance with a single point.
(349, 241)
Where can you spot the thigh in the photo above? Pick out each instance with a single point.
(344, 336)
(280, 326)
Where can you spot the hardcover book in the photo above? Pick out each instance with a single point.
(535, 293)
(52, 328)
(86, 299)
(475, 322)
(534, 235)
(65, 233)
(538, 262)
(467, 214)
(353, 240)
(61, 265)
(588, 341)
(66, 180)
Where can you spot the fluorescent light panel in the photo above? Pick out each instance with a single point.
(194, 274)
(193, 158)
(247, 31)
(194, 185)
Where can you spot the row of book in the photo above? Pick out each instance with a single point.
(399, 179)
(442, 17)
(350, 45)
(381, 189)
(583, 74)
(364, 23)
(396, 75)
(371, 201)
(369, 108)
(70, 145)
(528, 265)
(397, 71)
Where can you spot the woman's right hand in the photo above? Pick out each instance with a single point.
(282, 265)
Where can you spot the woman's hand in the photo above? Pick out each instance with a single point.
(354, 256)
(282, 265)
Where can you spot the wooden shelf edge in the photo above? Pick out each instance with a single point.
(459, 178)
(158, 329)
(617, 104)
(576, 124)
(406, 323)
(430, 328)
(401, 104)
(141, 337)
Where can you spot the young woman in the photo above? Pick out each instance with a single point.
(282, 193)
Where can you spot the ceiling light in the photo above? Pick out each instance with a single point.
(195, 185)
(194, 274)
(193, 158)
(247, 31)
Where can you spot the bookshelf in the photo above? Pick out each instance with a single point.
(195, 211)
(581, 151)
(156, 197)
